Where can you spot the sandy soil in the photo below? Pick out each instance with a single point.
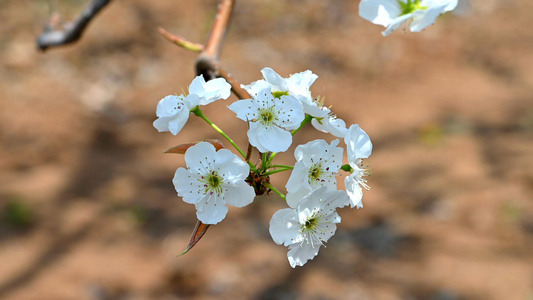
(88, 209)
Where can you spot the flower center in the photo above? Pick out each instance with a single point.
(410, 6)
(267, 115)
(212, 183)
(315, 172)
(310, 224)
(311, 228)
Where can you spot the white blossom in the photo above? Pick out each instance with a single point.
(394, 13)
(212, 180)
(317, 164)
(330, 124)
(269, 119)
(297, 85)
(173, 111)
(306, 227)
(358, 146)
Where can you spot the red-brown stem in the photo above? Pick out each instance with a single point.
(235, 86)
(207, 61)
(219, 29)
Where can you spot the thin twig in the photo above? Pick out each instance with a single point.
(72, 31)
(181, 41)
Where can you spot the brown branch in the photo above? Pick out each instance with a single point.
(72, 31)
(235, 86)
(213, 46)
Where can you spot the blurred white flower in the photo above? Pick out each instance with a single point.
(358, 146)
(269, 119)
(394, 13)
(173, 111)
(212, 180)
(306, 227)
(317, 162)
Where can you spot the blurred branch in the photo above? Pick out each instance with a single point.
(180, 41)
(207, 62)
(72, 31)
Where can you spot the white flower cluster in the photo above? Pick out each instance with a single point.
(278, 108)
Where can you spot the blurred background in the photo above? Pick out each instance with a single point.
(87, 205)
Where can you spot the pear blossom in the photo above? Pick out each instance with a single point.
(297, 85)
(212, 180)
(330, 124)
(358, 146)
(269, 119)
(309, 225)
(394, 13)
(317, 162)
(173, 111)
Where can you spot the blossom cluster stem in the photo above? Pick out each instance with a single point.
(272, 188)
(198, 112)
(281, 169)
(307, 119)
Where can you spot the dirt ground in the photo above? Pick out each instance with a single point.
(88, 209)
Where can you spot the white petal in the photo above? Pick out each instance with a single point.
(380, 12)
(253, 133)
(312, 108)
(397, 23)
(255, 87)
(354, 191)
(176, 124)
(169, 106)
(239, 194)
(294, 198)
(231, 166)
(200, 158)
(210, 91)
(332, 125)
(300, 253)
(191, 101)
(161, 124)
(324, 198)
(246, 110)
(277, 82)
(187, 185)
(300, 83)
(211, 209)
(358, 143)
(197, 85)
(427, 18)
(447, 5)
(273, 139)
(284, 227)
(298, 177)
(290, 112)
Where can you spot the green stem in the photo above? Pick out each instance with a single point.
(264, 161)
(198, 112)
(272, 188)
(307, 119)
(277, 171)
(282, 166)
